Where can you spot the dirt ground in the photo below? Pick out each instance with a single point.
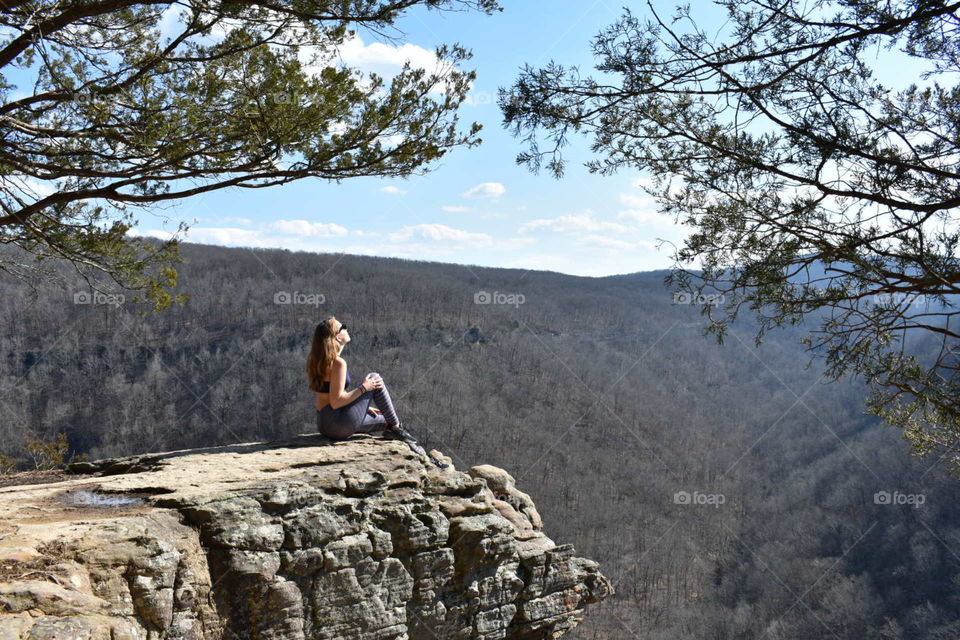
(35, 477)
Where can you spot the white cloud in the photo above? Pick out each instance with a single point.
(607, 242)
(153, 233)
(264, 237)
(415, 241)
(244, 221)
(642, 183)
(441, 233)
(643, 209)
(451, 208)
(170, 22)
(451, 251)
(377, 54)
(646, 217)
(485, 190)
(338, 127)
(42, 188)
(643, 214)
(586, 222)
(515, 243)
(393, 190)
(274, 234)
(391, 140)
(636, 201)
(227, 236)
(30, 188)
(173, 18)
(307, 228)
(386, 60)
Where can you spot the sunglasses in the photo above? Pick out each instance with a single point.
(343, 327)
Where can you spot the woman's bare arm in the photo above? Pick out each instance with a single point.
(338, 376)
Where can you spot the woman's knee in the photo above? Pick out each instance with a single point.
(383, 384)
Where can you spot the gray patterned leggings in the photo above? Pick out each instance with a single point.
(354, 418)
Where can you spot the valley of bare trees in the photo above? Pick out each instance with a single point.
(727, 491)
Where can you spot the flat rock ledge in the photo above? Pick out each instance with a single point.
(301, 539)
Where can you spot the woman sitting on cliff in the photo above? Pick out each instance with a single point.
(341, 413)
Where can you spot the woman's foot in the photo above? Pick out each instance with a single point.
(398, 432)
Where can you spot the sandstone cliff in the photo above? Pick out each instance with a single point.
(295, 540)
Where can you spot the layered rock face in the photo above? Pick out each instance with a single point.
(297, 540)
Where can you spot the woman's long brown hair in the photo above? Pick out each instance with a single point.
(323, 351)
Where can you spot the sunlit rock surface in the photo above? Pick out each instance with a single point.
(301, 539)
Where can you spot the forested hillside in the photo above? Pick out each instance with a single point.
(728, 491)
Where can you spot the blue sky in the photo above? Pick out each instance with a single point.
(476, 206)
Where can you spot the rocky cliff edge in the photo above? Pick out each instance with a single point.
(305, 539)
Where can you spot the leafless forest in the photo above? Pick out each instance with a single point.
(727, 491)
